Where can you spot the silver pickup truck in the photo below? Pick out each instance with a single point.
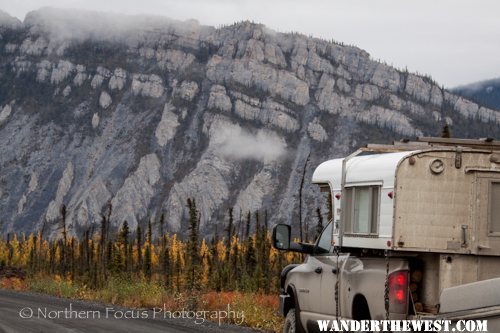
(414, 234)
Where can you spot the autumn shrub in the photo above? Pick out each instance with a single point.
(55, 286)
(133, 293)
(13, 283)
(261, 311)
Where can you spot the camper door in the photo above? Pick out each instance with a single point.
(487, 212)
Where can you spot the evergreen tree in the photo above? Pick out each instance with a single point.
(446, 132)
(72, 257)
(162, 231)
(229, 234)
(165, 262)
(149, 233)
(139, 247)
(178, 270)
(250, 260)
(319, 225)
(118, 259)
(64, 239)
(86, 251)
(330, 206)
(247, 230)
(109, 257)
(147, 267)
(266, 243)
(301, 187)
(123, 242)
(102, 245)
(228, 269)
(147, 262)
(193, 256)
(213, 264)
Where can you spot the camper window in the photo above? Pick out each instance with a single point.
(362, 205)
(494, 211)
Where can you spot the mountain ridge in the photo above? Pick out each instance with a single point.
(153, 111)
(485, 92)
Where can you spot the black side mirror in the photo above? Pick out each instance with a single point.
(281, 237)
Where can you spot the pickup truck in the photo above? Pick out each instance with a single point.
(414, 234)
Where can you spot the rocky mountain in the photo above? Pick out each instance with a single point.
(486, 92)
(144, 112)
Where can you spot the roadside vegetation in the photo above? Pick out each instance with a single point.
(237, 267)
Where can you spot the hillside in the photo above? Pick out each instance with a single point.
(146, 112)
(486, 92)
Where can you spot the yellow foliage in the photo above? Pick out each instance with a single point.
(4, 252)
(205, 257)
(221, 250)
(16, 251)
(235, 243)
(154, 256)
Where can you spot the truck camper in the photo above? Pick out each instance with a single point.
(415, 233)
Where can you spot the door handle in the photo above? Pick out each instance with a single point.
(318, 270)
(334, 270)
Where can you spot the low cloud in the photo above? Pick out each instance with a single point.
(66, 24)
(263, 145)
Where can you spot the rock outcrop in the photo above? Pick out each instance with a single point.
(141, 113)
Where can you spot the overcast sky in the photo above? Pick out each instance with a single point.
(454, 41)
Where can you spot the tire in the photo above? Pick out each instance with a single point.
(290, 325)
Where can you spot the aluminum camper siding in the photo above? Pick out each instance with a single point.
(430, 211)
(445, 212)
(377, 169)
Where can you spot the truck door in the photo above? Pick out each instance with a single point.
(326, 268)
(332, 274)
(309, 289)
(318, 279)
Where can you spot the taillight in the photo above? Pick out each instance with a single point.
(398, 292)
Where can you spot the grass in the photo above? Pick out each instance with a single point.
(259, 310)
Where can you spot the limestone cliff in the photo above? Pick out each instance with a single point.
(144, 112)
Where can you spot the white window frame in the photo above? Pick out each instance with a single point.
(373, 209)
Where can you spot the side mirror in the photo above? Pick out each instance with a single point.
(281, 237)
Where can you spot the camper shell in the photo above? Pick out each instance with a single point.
(443, 199)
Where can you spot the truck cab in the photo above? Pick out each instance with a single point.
(331, 285)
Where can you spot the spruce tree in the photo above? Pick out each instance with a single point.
(193, 255)
(123, 242)
(109, 257)
(149, 233)
(229, 234)
(64, 239)
(102, 245)
(213, 267)
(147, 262)
(165, 265)
(139, 247)
(147, 251)
(162, 231)
(446, 132)
(319, 225)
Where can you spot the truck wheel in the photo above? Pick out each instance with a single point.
(290, 322)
